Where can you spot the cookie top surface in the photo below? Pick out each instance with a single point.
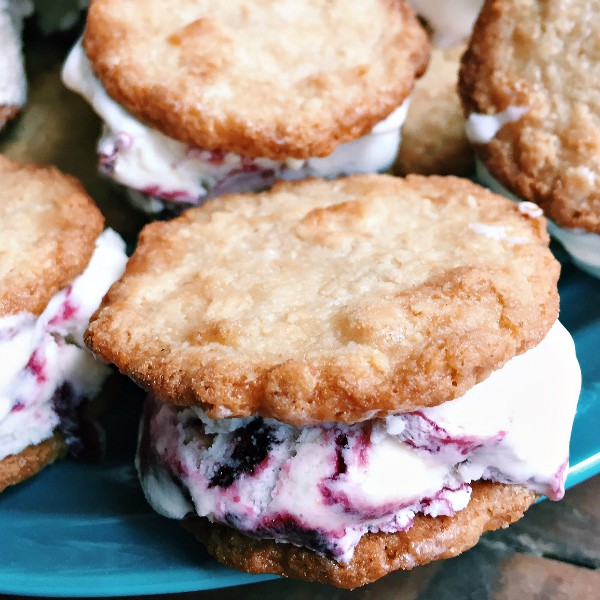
(262, 78)
(541, 56)
(48, 228)
(330, 301)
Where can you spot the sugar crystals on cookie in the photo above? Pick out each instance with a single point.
(347, 377)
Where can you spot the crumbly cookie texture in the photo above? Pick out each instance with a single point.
(492, 505)
(269, 78)
(49, 227)
(331, 301)
(542, 56)
(433, 135)
(18, 467)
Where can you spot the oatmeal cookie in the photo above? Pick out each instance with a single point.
(49, 214)
(265, 79)
(331, 301)
(539, 60)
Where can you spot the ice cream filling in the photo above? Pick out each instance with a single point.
(482, 129)
(165, 171)
(325, 486)
(582, 246)
(47, 373)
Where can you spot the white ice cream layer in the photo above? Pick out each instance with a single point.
(482, 129)
(325, 486)
(41, 354)
(13, 84)
(582, 246)
(161, 167)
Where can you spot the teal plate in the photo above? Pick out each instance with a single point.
(85, 530)
(580, 314)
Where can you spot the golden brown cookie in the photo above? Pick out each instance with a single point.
(433, 135)
(258, 78)
(331, 301)
(541, 57)
(18, 467)
(49, 227)
(492, 505)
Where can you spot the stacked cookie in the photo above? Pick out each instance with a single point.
(528, 87)
(56, 266)
(348, 377)
(211, 98)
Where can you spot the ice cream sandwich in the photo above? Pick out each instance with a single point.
(451, 22)
(433, 136)
(528, 90)
(345, 378)
(13, 83)
(201, 98)
(56, 263)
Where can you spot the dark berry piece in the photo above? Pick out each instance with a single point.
(251, 445)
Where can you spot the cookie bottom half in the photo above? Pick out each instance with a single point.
(492, 506)
(15, 468)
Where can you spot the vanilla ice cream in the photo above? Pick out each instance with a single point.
(165, 172)
(47, 373)
(325, 486)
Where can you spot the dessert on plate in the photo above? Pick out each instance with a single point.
(348, 377)
(528, 86)
(13, 83)
(56, 265)
(51, 16)
(201, 98)
(433, 134)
